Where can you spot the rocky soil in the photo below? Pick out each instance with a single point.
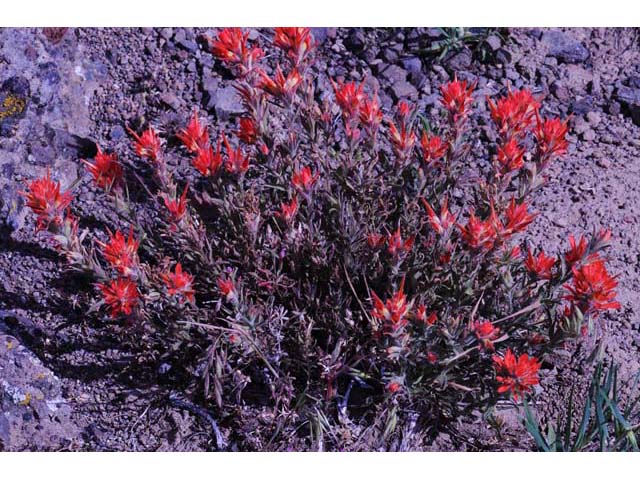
(67, 383)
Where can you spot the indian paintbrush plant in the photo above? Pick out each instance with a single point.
(331, 265)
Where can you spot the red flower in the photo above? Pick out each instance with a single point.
(541, 265)
(404, 111)
(432, 357)
(288, 210)
(577, 251)
(121, 252)
(456, 97)
(421, 316)
(370, 114)
(513, 113)
(486, 333)
(303, 179)
(121, 295)
(516, 375)
(375, 240)
(551, 136)
(231, 47)
(248, 130)
(195, 136)
(394, 387)
(396, 245)
(179, 283)
(402, 140)
(440, 223)
(510, 156)
(237, 162)
(433, 147)
(281, 86)
(147, 145)
(228, 288)
(45, 199)
(477, 233)
(349, 97)
(297, 41)
(105, 169)
(207, 161)
(177, 207)
(394, 311)
(517, 218)
(593, 289)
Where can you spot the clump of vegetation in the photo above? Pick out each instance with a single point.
(319, 282)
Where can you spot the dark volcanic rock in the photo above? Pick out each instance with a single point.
(629, 97)
(564, 47)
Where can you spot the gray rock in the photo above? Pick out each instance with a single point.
(460, 61)
(394, 73)
(565, 48)
(33, 413)
(493, 42)
(356, 40)
(404, 89)
(390, 56)
(226, 103)
(171, 100)
(412, 65)
(629, 98)
(320, 34)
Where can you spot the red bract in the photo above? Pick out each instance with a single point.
(231, 47)
(105, 169)
(248, 130)
(147, 145)
(442, 223)
(45, 199)
(394, 311)
(297, 42)
(456, 97)
(121, 252)
(593, 289)
(510, 156)
(576, 251)
(394, 387)
(349, 97)
(371, 114)
(281, 86)
(375, 240)
(421, 316)
(179, 283)
(195, 136)
(517, 217)
(486, 333)
(303, 179)
(121, 295)
(207, 161)
(402, 139)
(237, 162)
(477, 233)
(539, 265)
(396, 245)
(227, 287)
(516, 375)
(513, 113)
(288, 210)
(433, 147)
(176, 207)
(551, 136)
